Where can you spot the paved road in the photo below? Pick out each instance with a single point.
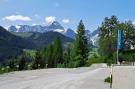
(80, 78)
(123, 77)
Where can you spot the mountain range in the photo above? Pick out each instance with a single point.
(13, 43)
(55, 27)
(16, 38)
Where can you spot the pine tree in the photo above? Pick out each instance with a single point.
(11, 63)
(22, 62)
(79, 54)
(37, 61)
(49, 56)
(66, 57)
(57, 52)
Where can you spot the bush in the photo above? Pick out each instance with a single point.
(5, 69)
(108, 79)
(73, 64)
(109, 62)
(94, 59)
(60, 66)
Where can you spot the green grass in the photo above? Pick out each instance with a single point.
(30, 52)
(22, 34)
(94, 51)
(94, 59)
(5, 70)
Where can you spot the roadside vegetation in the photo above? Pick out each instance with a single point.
(109, 80)
(78, 54)
(53, 55)
(95, 59)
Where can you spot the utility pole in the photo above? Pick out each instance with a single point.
(117, 56)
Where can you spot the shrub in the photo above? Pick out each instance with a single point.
(108, 80)
(94, 59)
(60, 66)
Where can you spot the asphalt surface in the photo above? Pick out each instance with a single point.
(77, 78)
(123, 77)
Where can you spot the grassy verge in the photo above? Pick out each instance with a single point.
(109, 80)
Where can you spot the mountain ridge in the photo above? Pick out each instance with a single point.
(55, 27)
(12, 45)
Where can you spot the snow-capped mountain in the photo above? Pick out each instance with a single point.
(53, 26)
(95, 39)
(36, 28)
(94, 36)
(56, 27)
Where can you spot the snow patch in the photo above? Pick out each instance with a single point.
(59, 30)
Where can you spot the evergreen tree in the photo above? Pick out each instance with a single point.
(79, 54)
(66, 57)
(38, 62)
(12, 63)
(22, 62)
(49, 56)
(57, 52)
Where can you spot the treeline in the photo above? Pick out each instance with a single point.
(76, 55)
(108, 39)
(54, 55)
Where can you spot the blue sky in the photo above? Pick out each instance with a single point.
(67, 12)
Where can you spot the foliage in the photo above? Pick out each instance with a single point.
(109, 80)
(94, 59)
(29, 52)
(12, 44)
(37, 62)
(22, 63)
(12, 64)
(42, 40)
(60, 65)
(66, 57)
(79, 53)
(57, 52)
(128, 56)
(108, 37)
(53, 54)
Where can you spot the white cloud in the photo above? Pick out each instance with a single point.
(50, 19)
(65, 21)
(17, 18)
